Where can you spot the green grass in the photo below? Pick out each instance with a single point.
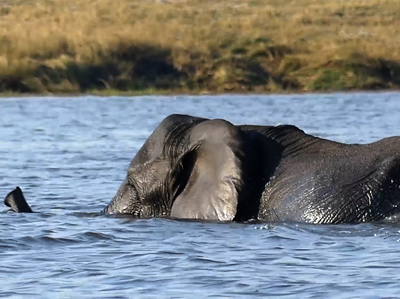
(195, 46)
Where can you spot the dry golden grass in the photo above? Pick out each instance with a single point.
(198, 45)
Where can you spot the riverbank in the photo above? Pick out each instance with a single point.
(191, 46)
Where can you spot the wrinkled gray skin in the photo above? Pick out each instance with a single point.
(196, 168)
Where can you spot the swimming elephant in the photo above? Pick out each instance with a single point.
(197, 168)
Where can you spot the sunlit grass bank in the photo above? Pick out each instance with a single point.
(64, 46)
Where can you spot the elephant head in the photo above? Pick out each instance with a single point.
(191, 168)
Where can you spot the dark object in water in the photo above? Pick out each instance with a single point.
(15, 200)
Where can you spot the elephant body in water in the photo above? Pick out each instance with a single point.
(197, 168)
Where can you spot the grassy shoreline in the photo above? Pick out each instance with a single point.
(135, 47)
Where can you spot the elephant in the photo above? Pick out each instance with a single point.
(212, 170)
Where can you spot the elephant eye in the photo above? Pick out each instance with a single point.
(133, 190)
(131, 181)
(133, 206)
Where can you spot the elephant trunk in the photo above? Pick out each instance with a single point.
(124, 202)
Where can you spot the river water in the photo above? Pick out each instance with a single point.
(70, 154)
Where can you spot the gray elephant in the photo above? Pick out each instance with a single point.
(197, 168)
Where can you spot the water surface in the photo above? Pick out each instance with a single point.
(70, 154)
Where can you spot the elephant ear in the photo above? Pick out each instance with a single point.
(209, 179)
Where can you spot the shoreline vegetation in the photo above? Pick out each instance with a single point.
(198, 46)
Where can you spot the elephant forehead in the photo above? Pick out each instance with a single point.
(149, 171)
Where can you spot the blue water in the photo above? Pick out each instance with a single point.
(70, 154)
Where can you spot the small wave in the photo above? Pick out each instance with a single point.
(87, 214)
(266, 226)
(29, 242)
(46, 240)
(94, 236)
